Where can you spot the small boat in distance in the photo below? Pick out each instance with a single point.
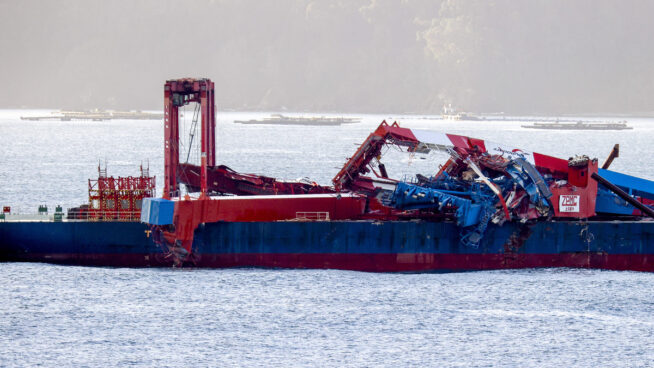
(450, 113)
(581, 125)
(279, 119)
(96, 115)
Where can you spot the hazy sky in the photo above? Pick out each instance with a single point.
(531, 56)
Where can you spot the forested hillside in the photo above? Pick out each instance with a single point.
(520, 57)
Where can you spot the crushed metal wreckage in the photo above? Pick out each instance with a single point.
(479, 189)
(482, 183)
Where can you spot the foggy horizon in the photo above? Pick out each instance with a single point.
(360, 56)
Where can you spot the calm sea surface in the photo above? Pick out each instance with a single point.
(78, 316)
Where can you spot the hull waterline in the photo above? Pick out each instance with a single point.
(402, 246)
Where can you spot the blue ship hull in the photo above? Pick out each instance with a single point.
(393, 246)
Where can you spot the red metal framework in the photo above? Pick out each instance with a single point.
(209, 177)
(349, 177)
(222, 179)
(180, 92)
(119, 198)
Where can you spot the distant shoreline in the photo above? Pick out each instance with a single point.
(488, 116)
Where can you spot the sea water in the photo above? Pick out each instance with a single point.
(83, 316)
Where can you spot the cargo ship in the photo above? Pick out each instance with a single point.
(489, 206)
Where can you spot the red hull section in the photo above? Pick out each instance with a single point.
(190, 213)
(428, 262)
(405, 262)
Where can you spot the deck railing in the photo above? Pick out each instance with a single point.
(127, 216)
(105, 215)
(312, 216)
